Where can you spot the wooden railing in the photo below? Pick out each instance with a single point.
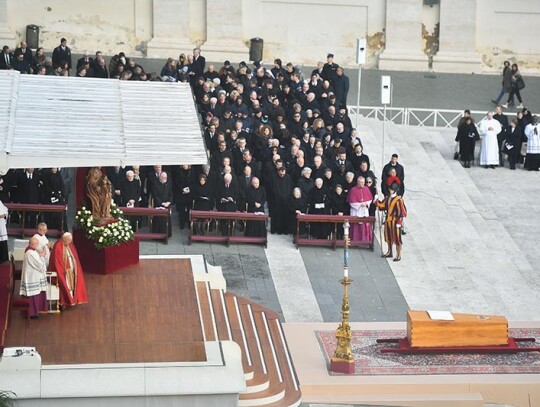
(6, 291)
(130, 212)
(214, 218)
(335, 221)
(37, 209)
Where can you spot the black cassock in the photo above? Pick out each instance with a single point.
(162, 193)
(282, 188)
(467, 135)
(255, 195)
(297, 204)
(227, 201)
(319, 204)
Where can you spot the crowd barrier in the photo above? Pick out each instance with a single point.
(209, 222)
(134, 212)
(303, 238)
(24, 210)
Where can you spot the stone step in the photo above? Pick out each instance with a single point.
(457, 260)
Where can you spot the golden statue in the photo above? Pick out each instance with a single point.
(99, 191)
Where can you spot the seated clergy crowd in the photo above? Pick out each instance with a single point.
(277, 141)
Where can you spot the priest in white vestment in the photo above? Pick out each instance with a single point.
(33, 279)
(44, 244)
(489, 153)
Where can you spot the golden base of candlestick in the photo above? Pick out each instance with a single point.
(343, 361)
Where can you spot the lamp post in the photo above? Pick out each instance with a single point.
(343, 361)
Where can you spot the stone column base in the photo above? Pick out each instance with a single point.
(168, 48)
(457, 62)
(219, 51)
(403, 61)
(7, 38)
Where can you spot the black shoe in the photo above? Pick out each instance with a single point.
(494, 102)
(492, 167)
(397, 259)
(403, 231)
(386, 255)
(34, 317)
(486, 166)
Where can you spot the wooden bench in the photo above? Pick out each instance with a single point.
(233, 217)
(332, 241)
(130, 212)
(29, 230)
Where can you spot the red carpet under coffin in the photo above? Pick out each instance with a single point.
(107, 260)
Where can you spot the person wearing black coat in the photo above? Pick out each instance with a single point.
(255, 199)
(183, 178)
(341, 87)
(62, 54)
(130, 195)
(203, 200)
(467, 135)
(297, 205)
(163, 199)
(227, 199)
(400, 172)
(319, 204)
(512, 143)
(340, 206)
(117, 175)
(29, 190)
(282, 187)
(53, 193)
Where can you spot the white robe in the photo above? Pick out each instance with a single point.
(3, 228)
(489, 153)
(33, 278)
(533, 140)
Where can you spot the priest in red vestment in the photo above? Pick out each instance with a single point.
(65, 261)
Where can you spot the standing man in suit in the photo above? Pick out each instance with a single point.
(6, 58)
(29, 184)
(198, 64)
(62, 54)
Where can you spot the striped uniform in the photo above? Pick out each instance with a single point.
(395, 212)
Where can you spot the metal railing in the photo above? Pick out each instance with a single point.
(409, 116)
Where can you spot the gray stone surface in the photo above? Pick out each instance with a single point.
(374, 294)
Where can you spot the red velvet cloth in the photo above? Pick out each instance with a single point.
(107, 260)
(56, 263)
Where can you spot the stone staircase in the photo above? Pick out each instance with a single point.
(269, 373)
(458, 255)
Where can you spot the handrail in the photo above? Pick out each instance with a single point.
(412, 116)
(22, 208)
(207, 217)
(333, 241)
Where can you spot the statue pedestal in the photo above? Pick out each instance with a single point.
(107, 260)
(342, 366)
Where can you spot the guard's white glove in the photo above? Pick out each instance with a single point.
(380, 197)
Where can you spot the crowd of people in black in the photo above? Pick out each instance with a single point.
(278, 141)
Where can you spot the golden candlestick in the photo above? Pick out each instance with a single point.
(343, 361)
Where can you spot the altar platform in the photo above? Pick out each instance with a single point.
(140, 340)
(426, 380)
(144, 313)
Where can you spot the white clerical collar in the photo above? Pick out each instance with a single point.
(393, 195)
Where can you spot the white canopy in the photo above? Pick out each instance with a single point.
(49, 121)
